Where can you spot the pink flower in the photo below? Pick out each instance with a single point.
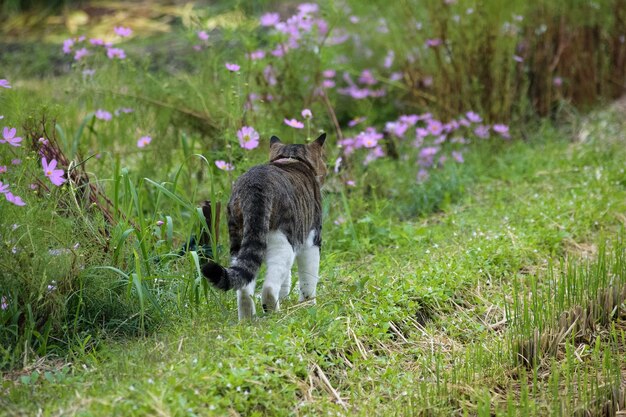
(435, 127)
(256, 55)
(356, 121)
(473, 117)
(328, 83)
(160, 223)
(122, 31)
(116, 53)
(67, 46)
(270, 19)
(557, 81)
(232, 67)
(294, 123)
(103, 115)
(389, 59)
(431, 43)
(306, 113)
(8, 136)
(144, 141)
(3, 169)
(330, 73)
(4, 188)
(80, 54)
(203, 36)
(502, 130)
(55, 175)
(4, 83)
(482, 131)
(11, 198)
(248, 137)
(224, 166)
(351, 183)
(369, 138)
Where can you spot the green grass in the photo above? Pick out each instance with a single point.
(423, 319)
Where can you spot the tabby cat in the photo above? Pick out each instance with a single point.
(275, 215)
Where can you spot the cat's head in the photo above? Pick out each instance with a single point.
(312, 154)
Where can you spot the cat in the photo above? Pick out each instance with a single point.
(275, 215)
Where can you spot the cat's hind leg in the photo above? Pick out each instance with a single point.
(245, 301)
(285, 288)
(279, 259)
(308, 272)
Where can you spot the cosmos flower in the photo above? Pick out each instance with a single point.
(473, 117)
(203, 36)
(502, 130)
(80, 54)
(232, 67)
(144, 141)
(55, 175)
(224, 166)
(248, 137)
(8, 136)
(12, 198)
(306, 113)
(116, 53)
(270, 19)
(294, 123)
(123, 31)
(4, 83)
(103, 115)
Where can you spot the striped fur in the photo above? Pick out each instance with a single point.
(282, 196)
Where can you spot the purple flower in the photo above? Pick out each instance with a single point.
(269, 75)
(67, 46)
(116, 53)
(502, 130)
(482, 131)
(367, 77)
(389, 59)
(330, 73)
(160, 223)
(203, 36)
(356, 121)
(270, 19)
(396, 128)
(306, 113)
(256, 55)
(351, 183)
(248, 137)
(224, 166)
(518, 58)
(422, 175)
(89, 72)
(557, 81)
(374, 154)
(458, 156)
(81, 53)
(4, 83)
(8, 136)
(434, 127)
(123, 31)
(328, 83)
(3, 303)
(308, 8)
(12, 198)
(473, 117)
(96, 41)
(369, 138)
(144, 141)
(103, 115)
(3, 169)
(55, 175)
(4, 188)
(294, 123)
(232, 67)
(431, 43)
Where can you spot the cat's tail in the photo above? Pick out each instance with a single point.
(244, 269)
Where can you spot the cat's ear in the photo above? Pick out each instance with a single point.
(320, 141)
(274, 140)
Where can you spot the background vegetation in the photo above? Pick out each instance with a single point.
(474, 211)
